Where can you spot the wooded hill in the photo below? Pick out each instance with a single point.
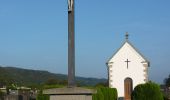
(10, 75)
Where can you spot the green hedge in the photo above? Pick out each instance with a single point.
(41, 96)
(148, 91)
(105, 94)
(98, 96)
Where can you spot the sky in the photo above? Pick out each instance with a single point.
(34, 34)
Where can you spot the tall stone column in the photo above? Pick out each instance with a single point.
(71, 45)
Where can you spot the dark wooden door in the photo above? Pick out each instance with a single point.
(128, 87)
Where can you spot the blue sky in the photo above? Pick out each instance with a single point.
(33, 34)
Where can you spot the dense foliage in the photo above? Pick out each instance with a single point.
(2, 95)
(167, 81)
(148, 91)
(105, 93)
(41, 96)
(165, 88)
(18, 76)
(101, 84)
(98, 96)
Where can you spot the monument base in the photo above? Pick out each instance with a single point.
(70, 93)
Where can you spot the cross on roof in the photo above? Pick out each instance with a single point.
(127, 35)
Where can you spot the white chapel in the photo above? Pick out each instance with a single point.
(126, 69)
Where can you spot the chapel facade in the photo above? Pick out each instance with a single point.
(126, 69)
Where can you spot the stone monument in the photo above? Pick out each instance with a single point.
(71, 92)
(71, 45)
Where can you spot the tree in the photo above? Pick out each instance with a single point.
(55, 81)
(167, 81)
(101, 84)
(148, 91)
(52, 81)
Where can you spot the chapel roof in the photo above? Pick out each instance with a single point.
(127, 41)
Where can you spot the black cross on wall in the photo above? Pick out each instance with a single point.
(127, 61)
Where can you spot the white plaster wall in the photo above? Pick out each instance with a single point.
(119, 71)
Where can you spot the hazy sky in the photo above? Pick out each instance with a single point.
(33, 34)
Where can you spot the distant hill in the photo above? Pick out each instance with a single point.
(27, 77)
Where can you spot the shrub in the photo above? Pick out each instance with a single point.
(105, 94)
(41, 96)
(113, 94)
(94, 97)
(148, 91)
(99, 95)
(2, 94)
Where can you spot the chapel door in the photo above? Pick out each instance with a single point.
(128, 87)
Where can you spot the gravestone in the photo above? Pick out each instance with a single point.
(71, 92)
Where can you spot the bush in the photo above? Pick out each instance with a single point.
(41, 96)
(2, 94)
(94, 97)
(98, 96)
(167, 81)
(148, 91)
(105, 94)
(113, 94)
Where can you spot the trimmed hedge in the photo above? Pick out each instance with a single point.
(98, 96)
(148, 91)
(105, 94)
(41, 96)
